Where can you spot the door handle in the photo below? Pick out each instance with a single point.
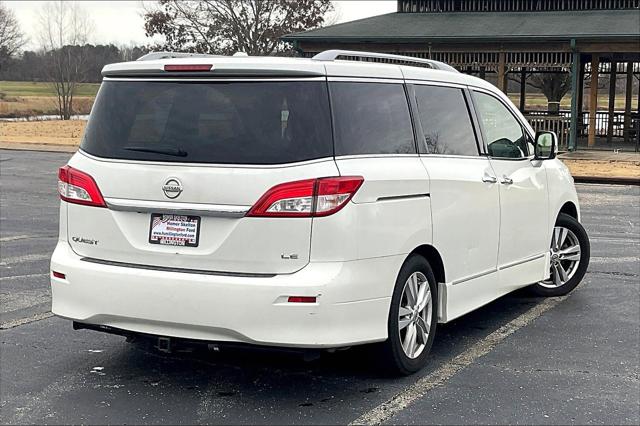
(506, 180)
(489, 179)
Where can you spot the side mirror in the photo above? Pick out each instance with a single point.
(546, 145)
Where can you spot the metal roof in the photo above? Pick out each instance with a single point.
(482, 26)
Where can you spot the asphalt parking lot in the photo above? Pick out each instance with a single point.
(519, 360)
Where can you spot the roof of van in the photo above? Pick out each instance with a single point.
(273, 66)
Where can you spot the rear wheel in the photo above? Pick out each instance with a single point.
(412, 318)
(570, 253)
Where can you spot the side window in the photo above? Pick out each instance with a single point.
(371, 118)
(445, 121)
(502, 132)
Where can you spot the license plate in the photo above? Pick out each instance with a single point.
(174, 230)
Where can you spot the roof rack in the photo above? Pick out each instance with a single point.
(332, 55)
(152, 56)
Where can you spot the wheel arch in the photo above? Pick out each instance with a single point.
(569, 208)
(434, 258)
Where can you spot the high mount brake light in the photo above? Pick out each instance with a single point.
(307, 198)
(78, 187)
(188, 68)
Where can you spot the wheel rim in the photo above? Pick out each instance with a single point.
(414, 317)
(565, 257)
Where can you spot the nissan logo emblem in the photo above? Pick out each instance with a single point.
(172, 188)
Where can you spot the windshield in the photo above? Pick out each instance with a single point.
(210, 122)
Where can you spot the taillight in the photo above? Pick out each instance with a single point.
(307, 198)
(78, 187)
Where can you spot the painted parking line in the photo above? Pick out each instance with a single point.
(22, 321)
(13, 277)
(441, 375)
(621, 259)
(26, 237)
(25, 258)
(14, 238)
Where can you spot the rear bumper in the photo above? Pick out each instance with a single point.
(352, 302)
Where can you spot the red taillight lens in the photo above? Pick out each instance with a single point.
(293, 199)
(58, 275)
(307, 198)
(188, 68)
(78, 187)
(301, 299)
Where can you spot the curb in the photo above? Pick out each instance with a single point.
(607, 180)
(38, 147)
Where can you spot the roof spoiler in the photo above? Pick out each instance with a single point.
(332, 55)
(153, 56)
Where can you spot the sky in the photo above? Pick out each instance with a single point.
(121, 22)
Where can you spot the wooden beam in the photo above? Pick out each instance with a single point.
(581, 86)
(612, 100)
(603, 47)
(593, 99)
(502, 72)
(638, 124)
(627, 103)
(523, 88)
(576, 93)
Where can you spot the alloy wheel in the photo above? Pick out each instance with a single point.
(414, 316)
(565, 257)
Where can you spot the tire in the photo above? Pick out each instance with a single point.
(394, 357)
(576, 235)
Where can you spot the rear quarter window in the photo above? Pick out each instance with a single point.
(445, 121)
(211, 122)
(371, 118)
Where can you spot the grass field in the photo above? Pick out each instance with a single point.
(27, 99)
(538, 101)
(32, 88)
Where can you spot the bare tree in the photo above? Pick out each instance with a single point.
(64, 29)
(229, 26)
(131, 52)
(553, 85)
(11, 38)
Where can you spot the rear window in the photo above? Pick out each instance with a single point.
(210, 122)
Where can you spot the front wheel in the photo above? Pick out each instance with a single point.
(570, 253)
(412, 318)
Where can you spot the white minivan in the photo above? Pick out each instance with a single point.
(309, 203)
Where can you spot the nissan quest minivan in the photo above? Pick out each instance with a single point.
(315, 203)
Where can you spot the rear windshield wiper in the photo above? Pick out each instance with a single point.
(176, 152)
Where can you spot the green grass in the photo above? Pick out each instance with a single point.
(30, 88)
(539, 101)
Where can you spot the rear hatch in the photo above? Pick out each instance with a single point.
(179, 162)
